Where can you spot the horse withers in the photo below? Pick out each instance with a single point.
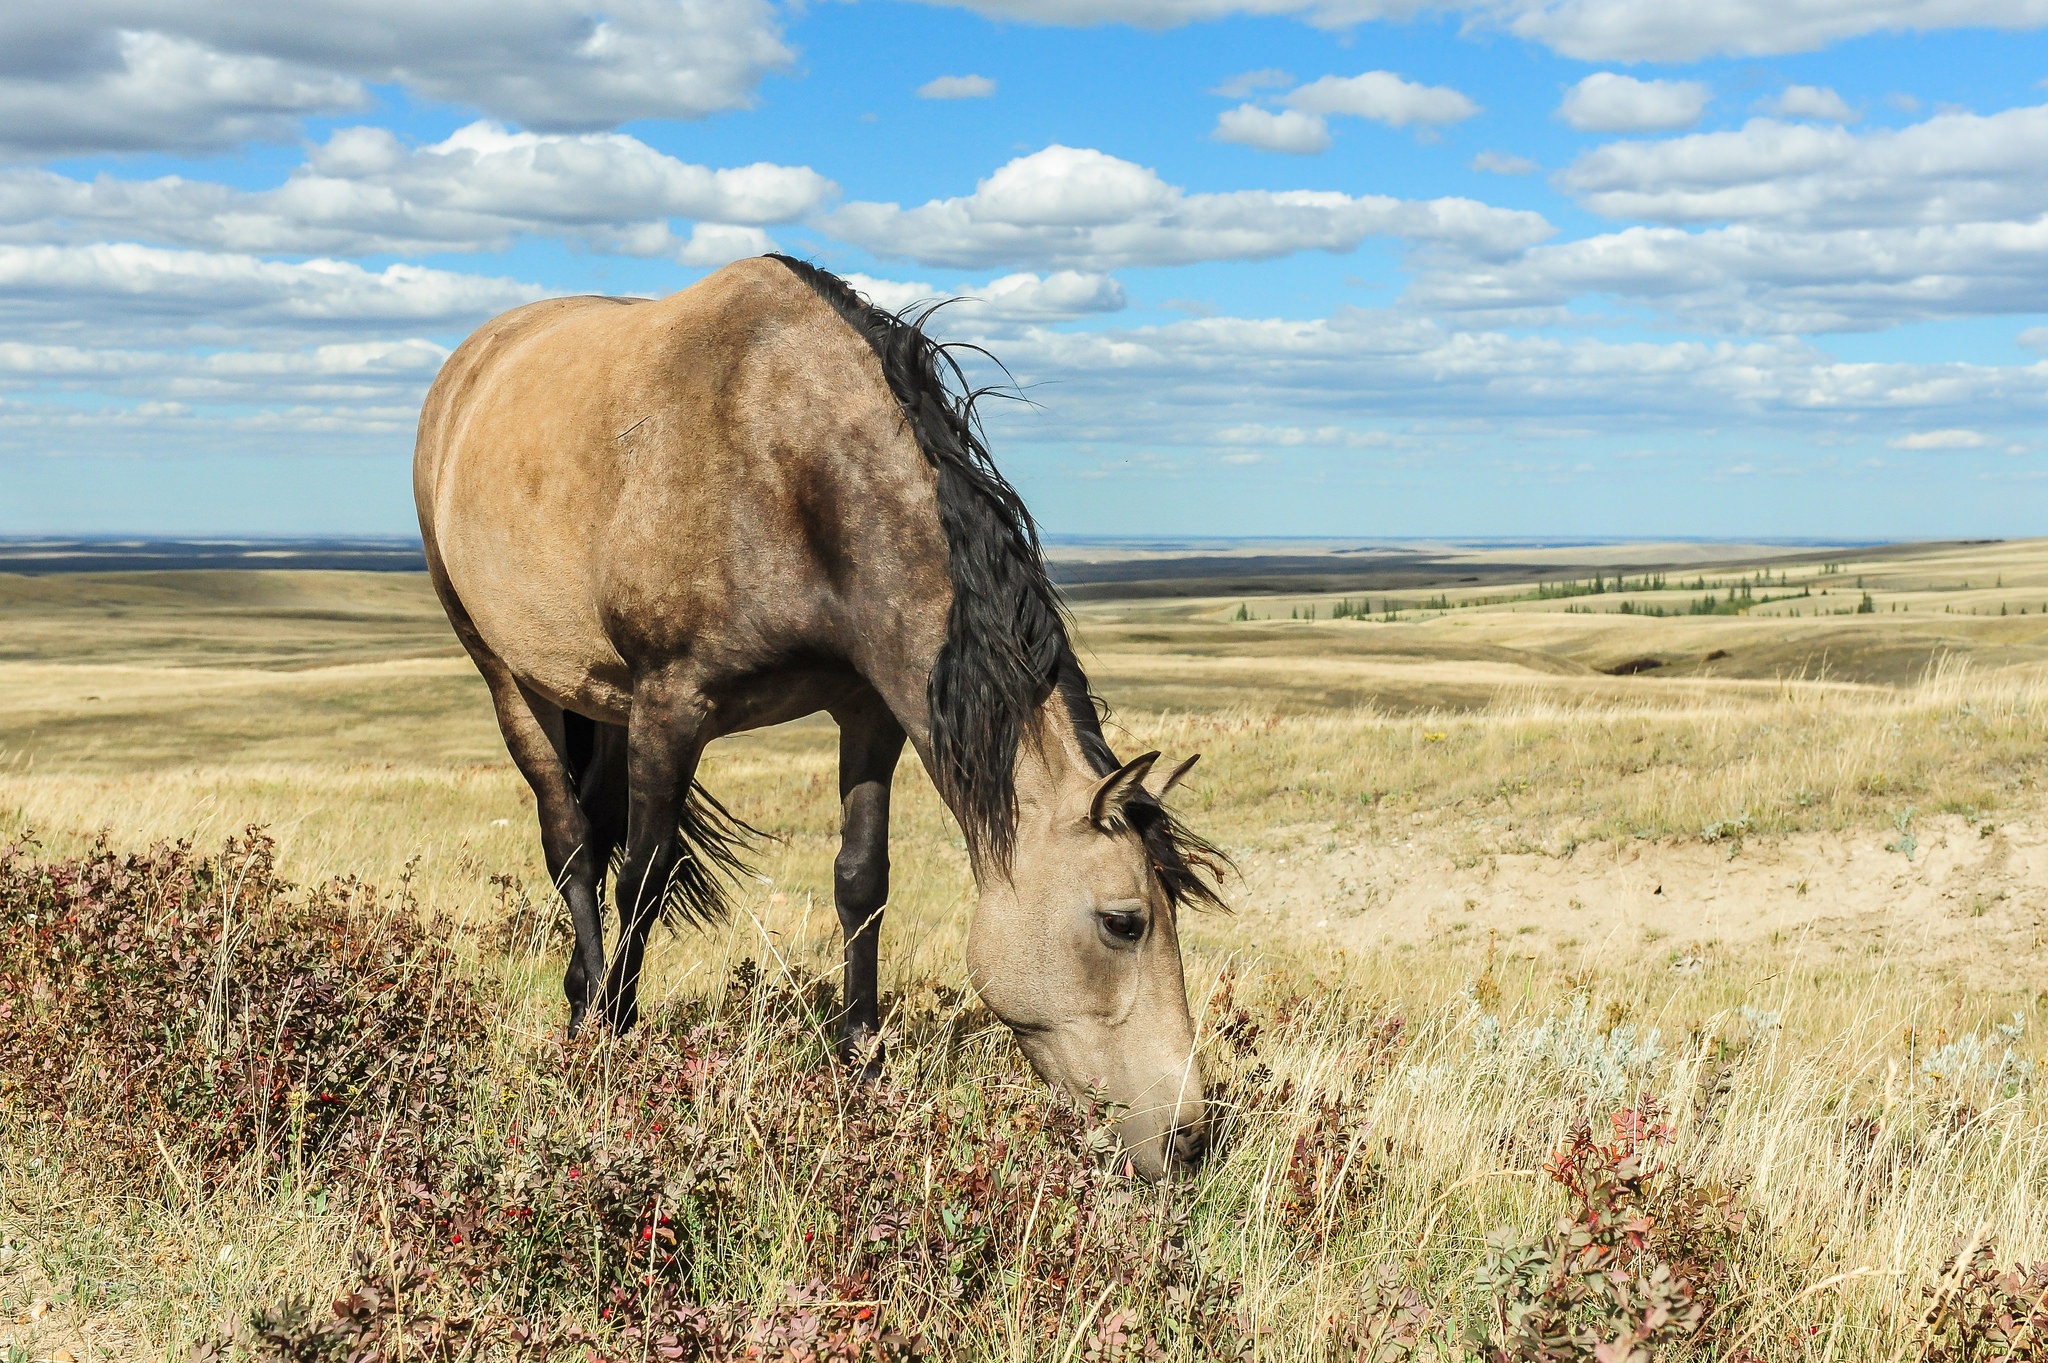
(653, 523)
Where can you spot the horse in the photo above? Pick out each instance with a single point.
(656, 522)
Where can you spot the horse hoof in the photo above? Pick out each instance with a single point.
(862, 1055)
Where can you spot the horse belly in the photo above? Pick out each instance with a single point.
(547, 630)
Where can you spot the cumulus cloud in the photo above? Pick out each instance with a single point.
(1953, 438)
(1302, 127)
(1069, 187)
(1809, 101)
(1286, 130)
(182, 75)
(1077, 208)
(1340, 379)
(1953, 167)
(1609, 102)
(1025, 297)
(155, 91)
(218, 342)
(170, 383)
(1649, 30)
(150, 285)
(1061, 295)
(957, 87)
(1251, 82)
(1762, 279)
(1383, 97)
(365, 191)
(1163, 14)
(712, 244)
(1588, 30)
(1503, 163)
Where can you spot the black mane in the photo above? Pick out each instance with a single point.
(1006, 647)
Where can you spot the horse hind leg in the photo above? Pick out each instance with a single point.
(536, 736)
(870, 742)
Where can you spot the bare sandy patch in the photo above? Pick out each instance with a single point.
(1970, 901)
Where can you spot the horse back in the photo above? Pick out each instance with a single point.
(718, 483)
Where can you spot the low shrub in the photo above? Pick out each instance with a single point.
(1635, 1267)
(199, 1011)
(1978, 1313)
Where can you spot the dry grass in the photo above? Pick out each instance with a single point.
(1866, 1107)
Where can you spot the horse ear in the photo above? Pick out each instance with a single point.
(1173, 778)
(1114, 791)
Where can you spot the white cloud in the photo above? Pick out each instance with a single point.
(1302, 128)
(1082, 209)
(1762, 279)
(1068, 187)
(1503, 163)
(1383, 97)
(1953, 167)
(1251, 82)
(957, 87)
(1809, 101)
(1653, 30)
(1295, 437)
(1286, 130)
(376, 373)
(1163, 14)
(1587, 30)
(1059, 296)
(2034, 338)
(364, 191)
(162, 91)
(67, 284)
(894, 295)
(1338, 381)
(712, 244)
(127, 75)
(1608, 102)
(1953, 438)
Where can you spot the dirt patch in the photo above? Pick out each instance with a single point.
(1967, 899)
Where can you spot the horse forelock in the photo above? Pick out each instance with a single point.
(1006, 649)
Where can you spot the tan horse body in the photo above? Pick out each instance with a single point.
(655, 523)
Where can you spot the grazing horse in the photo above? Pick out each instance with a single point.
(653, 523)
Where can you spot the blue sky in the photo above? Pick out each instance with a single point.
(1360, 267)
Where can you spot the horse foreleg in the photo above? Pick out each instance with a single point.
(663, 739)
(870, 741)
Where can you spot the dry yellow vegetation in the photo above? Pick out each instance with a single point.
(1793, 879)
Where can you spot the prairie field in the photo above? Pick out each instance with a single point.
(1650, 960)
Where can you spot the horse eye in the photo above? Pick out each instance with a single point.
(1124, 927)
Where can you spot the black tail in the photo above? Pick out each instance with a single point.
(712, 842)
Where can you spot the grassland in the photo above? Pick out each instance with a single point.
(1792, 879)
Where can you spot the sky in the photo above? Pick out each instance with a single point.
(1372, 268)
